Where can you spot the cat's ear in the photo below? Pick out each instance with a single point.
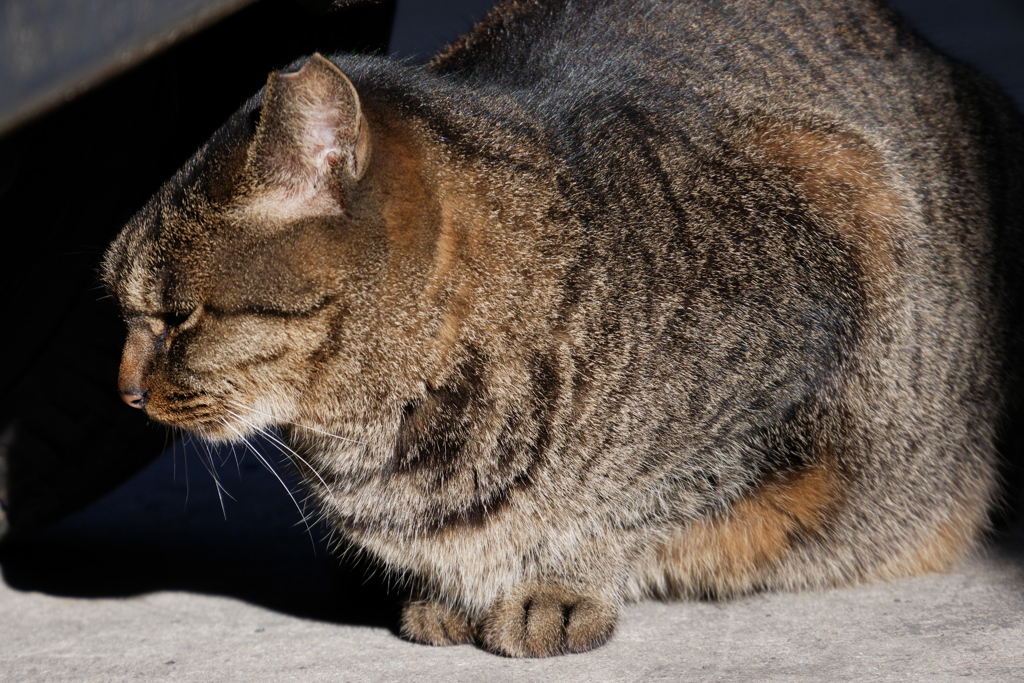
(311, 128)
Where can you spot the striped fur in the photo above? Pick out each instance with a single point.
(611, 300)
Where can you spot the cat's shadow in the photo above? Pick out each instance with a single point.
(165, 530)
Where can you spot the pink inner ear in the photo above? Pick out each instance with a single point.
(319, 120)
(322, 124)
(310, 122)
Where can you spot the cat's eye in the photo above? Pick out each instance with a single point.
(181, 320)
(176, 319)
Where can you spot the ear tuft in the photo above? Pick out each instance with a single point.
(311, 124)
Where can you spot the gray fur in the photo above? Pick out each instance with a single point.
(612, 300)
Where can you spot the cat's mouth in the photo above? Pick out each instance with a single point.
(213, 429)
(201, 418)
(205, 416)
(213, 418)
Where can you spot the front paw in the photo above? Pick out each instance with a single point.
(426, 621)
(540, 620)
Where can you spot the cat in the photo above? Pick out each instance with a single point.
(613, 299)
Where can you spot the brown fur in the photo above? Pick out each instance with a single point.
(845, 182)
(614, 299)
(731, 553)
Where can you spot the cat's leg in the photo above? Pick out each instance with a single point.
(539, 620)
(530, 585)
(433, 623)
(533, 620)
(567, 594)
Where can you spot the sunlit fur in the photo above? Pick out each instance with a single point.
(611, 300)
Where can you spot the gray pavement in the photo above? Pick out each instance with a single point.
(156, 582)
(159, 581)
(967, 624)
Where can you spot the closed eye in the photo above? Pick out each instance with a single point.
(302, 310)
(177, 321)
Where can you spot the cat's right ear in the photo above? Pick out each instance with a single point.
(311, 129)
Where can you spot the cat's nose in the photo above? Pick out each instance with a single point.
(134, 397)
(139, 350)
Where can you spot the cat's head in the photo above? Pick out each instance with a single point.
(240, 278)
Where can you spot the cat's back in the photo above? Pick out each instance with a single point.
(689, 51)
(578, 74)
(701, 79)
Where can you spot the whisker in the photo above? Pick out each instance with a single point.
(285, 449)
(296, 424)
(266, 464)
(224, 456)
(290, 452)
(174, 456)
(184, 461)
(211, 467)
(238, 462)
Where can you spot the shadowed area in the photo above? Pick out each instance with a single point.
(68, 182)
(166, 530)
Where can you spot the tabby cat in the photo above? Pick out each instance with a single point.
(613, 299)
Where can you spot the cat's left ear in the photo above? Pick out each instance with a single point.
(311, 128)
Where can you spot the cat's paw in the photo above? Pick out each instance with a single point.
(543, 620)
(426, 621)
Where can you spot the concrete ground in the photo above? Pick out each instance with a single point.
(158, 581)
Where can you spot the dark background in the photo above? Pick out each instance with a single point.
(68, 180)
